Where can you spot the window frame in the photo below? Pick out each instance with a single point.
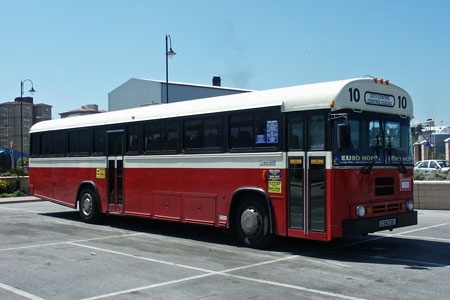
(89, 140)
(278, 116)
(161, 124)
(139, 127)
(202, 118)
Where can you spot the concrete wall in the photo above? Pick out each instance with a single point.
(21, 181)
(432, 194)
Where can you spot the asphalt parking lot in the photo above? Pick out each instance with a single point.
(46, 252)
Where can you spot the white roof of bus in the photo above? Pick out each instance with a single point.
(302, 97)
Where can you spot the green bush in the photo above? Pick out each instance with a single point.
(437, 176)
(6, 187)
(3, 186)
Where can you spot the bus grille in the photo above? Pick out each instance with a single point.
(386, 208)
(384, 186)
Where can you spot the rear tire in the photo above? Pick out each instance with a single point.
(89, 206)
(252, 223)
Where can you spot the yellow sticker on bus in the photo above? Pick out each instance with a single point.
(296, 161)
(317, 161)
(274, 184)
(100, 173)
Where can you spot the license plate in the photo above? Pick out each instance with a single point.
(387, 223)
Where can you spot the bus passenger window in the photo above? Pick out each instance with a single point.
(79, 142)
(317, 132)
(35, 145)
(241, 131)
(169, 132)
(295, 137)
(192, 134)
(212, 133)
(133, 139)
(152, 137)
(99, 141)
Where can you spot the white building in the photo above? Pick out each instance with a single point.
(140, 92)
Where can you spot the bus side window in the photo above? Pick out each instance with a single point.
(47, 143)
(133, 139)
(79, 142)
(152, 137)
(317, 132)
(169, 136)
(35, 145)
(241, 131)
(99, 141)
(193, 134)
(295, 135)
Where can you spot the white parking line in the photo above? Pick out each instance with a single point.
(209, 273)
(19, 292)
(380, 236)
(68, 242)
(296, 287)
(425, 238)
(141, 257)
(147, 287)
(420, 229)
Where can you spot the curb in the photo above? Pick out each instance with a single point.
(19, 200)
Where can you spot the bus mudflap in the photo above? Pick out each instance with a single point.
(370, 225)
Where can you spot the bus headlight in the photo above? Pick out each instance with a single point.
(410, 205)
(360, 211)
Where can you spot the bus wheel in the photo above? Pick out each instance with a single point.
(88, 204)
(252, 224)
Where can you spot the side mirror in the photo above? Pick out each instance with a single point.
(343, 136)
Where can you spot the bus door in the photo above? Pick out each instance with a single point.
(306, 164)
(115, 148)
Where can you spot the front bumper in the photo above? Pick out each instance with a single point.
(369, 225)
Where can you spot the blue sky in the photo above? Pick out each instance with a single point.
(75, 52)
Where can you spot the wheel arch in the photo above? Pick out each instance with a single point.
(87, 184)
(241, 194)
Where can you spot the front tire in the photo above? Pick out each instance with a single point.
(89, 206)
(253, 224)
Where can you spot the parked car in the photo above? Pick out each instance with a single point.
(430, 166)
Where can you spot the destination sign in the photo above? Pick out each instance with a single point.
(379, 99)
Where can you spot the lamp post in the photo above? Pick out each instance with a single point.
(32, 90)
(170, 53)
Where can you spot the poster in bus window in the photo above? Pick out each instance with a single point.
(272, 132)
(260, 139)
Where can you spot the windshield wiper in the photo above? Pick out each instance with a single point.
(377, 154)
(389, 150)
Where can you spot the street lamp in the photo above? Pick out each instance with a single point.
(32, 91)
(170, 53)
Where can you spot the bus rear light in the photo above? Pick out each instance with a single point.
(332, 103)
(360, 211)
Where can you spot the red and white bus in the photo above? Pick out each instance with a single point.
(318, 161)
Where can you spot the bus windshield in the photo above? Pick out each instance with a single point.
(375, 138)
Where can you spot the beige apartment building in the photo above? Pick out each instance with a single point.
(10, 127)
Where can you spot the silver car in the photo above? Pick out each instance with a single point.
(430, 166)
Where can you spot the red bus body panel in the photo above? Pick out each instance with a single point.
(203, 196)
